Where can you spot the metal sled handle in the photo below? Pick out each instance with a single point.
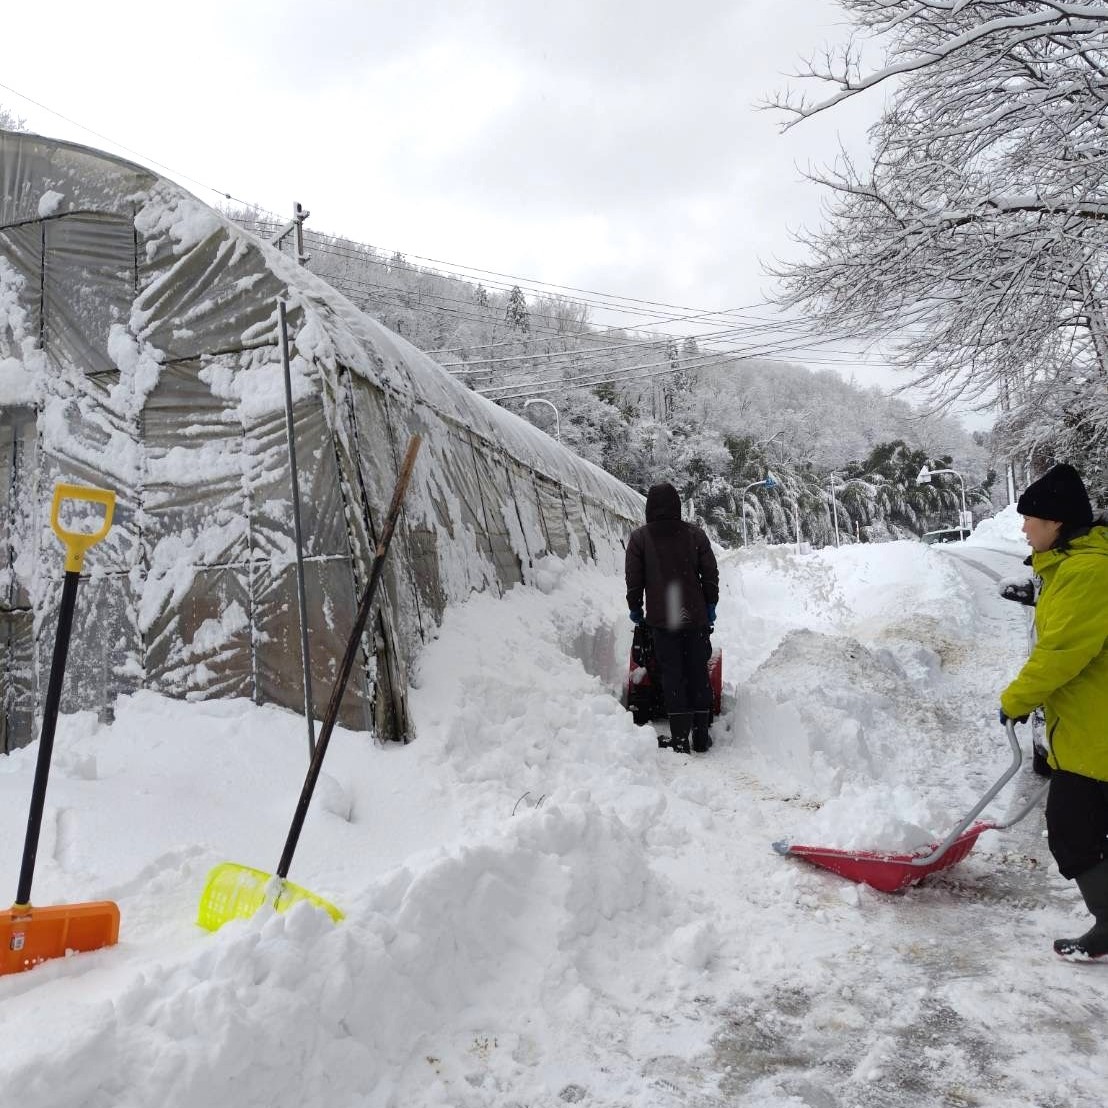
(1001, 781)
(77, 543)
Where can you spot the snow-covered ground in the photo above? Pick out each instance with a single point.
(543, 908)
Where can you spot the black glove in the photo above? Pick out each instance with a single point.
(1004, 718)
(635, 615)
(1023, 592)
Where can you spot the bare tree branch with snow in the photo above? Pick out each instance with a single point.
(978, 237)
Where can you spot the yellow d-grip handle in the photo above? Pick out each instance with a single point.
(78, 542)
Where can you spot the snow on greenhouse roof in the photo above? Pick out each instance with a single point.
(206, 285)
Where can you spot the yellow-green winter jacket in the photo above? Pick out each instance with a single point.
(1067, 671)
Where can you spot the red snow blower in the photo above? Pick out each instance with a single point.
(643, 691)
(890, 872)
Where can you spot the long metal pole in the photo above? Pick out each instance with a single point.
(746, 489)
(301, 597)
(353, 644)
(834, 510)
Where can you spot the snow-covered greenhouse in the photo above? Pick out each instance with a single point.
(140, 352)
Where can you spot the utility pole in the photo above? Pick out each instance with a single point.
(769, 481)
(296, 224)
(834, 509)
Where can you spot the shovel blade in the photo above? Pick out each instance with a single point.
(883, 871)
(237, 892)
(30, 936)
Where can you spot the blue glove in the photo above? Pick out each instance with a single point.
(711, 613)
(635, 616)
(1004, 718)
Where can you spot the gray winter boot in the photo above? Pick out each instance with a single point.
(1093, 884)
(701, 739)
(680, 724)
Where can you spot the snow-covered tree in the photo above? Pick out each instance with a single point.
(9, 121)
(515, 311)
(979, 233)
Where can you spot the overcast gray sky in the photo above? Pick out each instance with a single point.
(608, 145)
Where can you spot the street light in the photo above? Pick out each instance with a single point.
(769, 482)
(834, 510)
(557, 418)
(965, 521)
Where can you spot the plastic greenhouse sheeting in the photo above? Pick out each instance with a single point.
(139, 352)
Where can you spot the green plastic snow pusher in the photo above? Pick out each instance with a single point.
(233, 891)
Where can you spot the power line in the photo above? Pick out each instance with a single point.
(349, 282)
(786, 344)
(366, 252)
(629, 374)
(537, 285)
(705, 316)
(751, 324)
(641, 307)
(137, 153)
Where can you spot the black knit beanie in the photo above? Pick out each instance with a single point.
(1059, 495)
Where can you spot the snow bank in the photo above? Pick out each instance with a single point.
(1001, 532)
(542, 907)
(826, 714)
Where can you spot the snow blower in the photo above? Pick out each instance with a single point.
(642, 694)
(234, 891)
(29, 935)
(889, 872)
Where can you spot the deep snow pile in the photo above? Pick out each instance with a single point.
(829, 717)
(1001, 532)
(542, 906)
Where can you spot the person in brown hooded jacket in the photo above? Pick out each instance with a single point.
(671, 561)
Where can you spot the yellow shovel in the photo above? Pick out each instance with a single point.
(29, 935)
(233, 891)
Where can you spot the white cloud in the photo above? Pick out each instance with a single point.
(600, 144)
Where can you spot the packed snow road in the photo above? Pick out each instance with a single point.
(544, 908)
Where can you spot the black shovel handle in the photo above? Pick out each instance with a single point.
(76, 545)
(349, 657)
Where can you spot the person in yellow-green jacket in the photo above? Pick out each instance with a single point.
(1067, 674)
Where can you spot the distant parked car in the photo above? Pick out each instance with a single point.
(947, 534)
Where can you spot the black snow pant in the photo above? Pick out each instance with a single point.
(683, 660)
(1077, 822)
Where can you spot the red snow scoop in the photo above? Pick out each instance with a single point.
(889, 872)
(30, 935)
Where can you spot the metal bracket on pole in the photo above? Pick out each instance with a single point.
(301, 596)
(299, 215)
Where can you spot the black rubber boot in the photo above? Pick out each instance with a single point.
(1093, 884)
(701, 740)
(680, 724)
